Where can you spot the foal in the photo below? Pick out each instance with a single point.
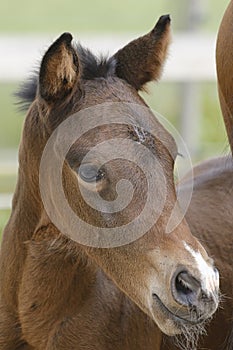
(58, 293)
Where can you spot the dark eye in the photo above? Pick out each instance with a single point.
(90, 173)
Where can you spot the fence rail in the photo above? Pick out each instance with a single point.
(5, 201)
(191, 58)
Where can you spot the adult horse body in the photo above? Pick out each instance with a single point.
(210, 212)
(224, 58)
(210, 219)
(59, 294)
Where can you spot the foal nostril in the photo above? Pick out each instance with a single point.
(186, 288)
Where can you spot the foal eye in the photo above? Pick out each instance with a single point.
(90, 173)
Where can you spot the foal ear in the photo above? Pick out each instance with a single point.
(142, 59)
(59, 70)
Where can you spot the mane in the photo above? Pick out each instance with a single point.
(92, 67)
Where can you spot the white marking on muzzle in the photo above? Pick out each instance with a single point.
(209, 275)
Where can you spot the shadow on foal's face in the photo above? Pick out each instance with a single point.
(168, 275)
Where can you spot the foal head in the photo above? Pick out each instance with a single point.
(168, 275)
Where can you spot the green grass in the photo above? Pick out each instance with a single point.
(212, 130)
(167, 100)
(99, 16)
(7, 183)
(4, 216)
(10, 119)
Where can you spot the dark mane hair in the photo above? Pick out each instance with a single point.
(92, 67)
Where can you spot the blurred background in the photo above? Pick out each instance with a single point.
(186, 95)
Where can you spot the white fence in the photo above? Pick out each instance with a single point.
(192, 56)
